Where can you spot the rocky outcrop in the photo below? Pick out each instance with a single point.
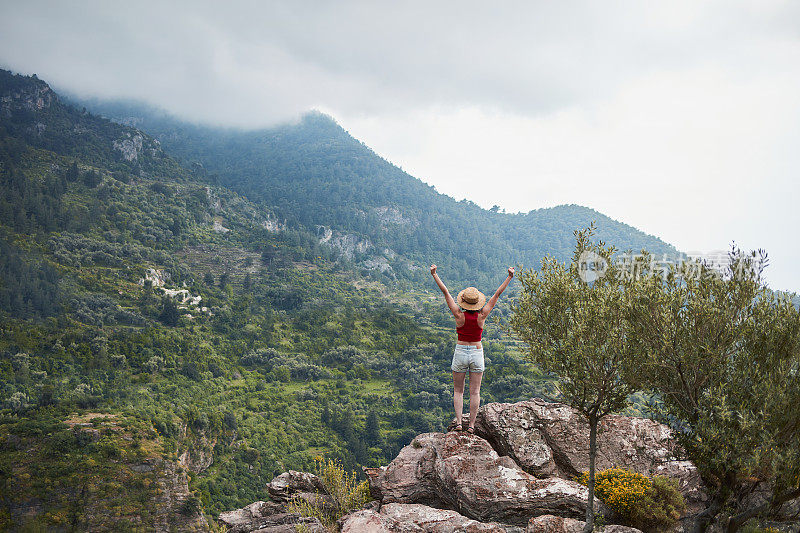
(557, 524)
(349, 245)
(416, 518)
(514, 475)
(437, 520)
(173, 494)
(218, 227)
(392, 216)
(377, 263)
(464, 473)
(33, 96)
(273, 516)
(130, 146)
(156, 277)
(282, 487)
(552, 439)
(270, 224)
(267, 517)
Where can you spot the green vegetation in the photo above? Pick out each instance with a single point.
(289, 353)
(717, 352)
(229, 338)
(576, 329)
(96, 472)
(345, 491)
(722, 353)
(316, 176)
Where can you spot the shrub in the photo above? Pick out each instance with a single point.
(154, 363)
(259, 357)
(346, 494)
(191, 370)
(18, 402)
(752, 526)
(169, 313)
(648, 504)
(190, 506)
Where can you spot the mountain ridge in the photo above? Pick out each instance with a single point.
(315, 174)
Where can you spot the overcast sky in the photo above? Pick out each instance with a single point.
(679, 118)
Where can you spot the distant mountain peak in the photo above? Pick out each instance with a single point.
(23, 93)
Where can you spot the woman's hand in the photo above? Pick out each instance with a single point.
(433, 270)
(510, 272)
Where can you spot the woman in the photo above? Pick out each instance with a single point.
(470, 313)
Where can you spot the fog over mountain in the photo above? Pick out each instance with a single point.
(679, 118)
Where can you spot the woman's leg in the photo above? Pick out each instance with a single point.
(474, 396)
(458, 394)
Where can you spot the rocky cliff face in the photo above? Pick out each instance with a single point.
(515, 474)
(95, 472)
(33, 96)
(33, 112)
(129, 146)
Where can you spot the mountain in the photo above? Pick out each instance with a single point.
(34, 114)
(316, 176)
(169, 344)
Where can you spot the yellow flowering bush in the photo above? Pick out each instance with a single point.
(650, 504)
(344, 489)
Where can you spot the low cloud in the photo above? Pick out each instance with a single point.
(253, 63)
(681, 118)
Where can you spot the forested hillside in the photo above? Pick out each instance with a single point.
(316, 176)
(158, 329)
(191, 330)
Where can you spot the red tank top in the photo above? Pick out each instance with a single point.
(470, 331)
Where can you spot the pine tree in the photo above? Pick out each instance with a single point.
(372, 429)
(169, 313)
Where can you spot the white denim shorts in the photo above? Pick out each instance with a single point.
(468, 359)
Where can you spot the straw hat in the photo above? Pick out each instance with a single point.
(471, 299)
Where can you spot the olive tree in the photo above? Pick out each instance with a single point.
(720, 352)
(572, 318)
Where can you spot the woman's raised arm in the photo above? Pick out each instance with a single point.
(493, 300)
(447, 298)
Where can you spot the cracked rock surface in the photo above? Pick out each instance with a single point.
(464, 473)
(552, 439)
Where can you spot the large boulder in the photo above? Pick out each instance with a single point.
(416, 518)
(547, 439)
(273, 516)
(267, 517)
(282, 487)
(374, 522)
(557, 524)
(464, 473)
(433, 520)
